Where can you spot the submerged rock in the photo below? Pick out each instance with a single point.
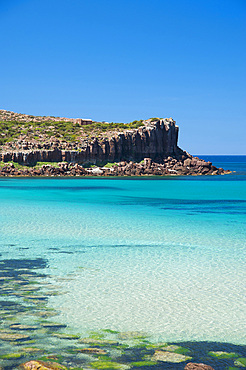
(37, 297)
(195, 366)
(23, 327)
(9, 337)
(40, 365)
(29, 288)
(132, 335)
(240, 362)
(50, 325)
(176, 349)
(96, 351)
(223, 355)
(12, 356)
(66, 336)
(167, 356)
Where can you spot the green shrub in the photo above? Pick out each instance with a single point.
(67, 131)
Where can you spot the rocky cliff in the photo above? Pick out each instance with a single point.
(72, 146)
(154, 139)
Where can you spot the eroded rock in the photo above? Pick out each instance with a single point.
(40, 365)
(195, 366)
(9, 337)
(167, 356)
(96, 351)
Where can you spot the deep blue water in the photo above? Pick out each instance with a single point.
(235, 163)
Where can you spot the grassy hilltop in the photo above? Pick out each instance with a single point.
(13, 126)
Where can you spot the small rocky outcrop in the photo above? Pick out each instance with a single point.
(166, 356)
(194, 366)
(40, 365)
(6, 336)
(92, 350)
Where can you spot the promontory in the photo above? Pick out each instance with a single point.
(59, 146)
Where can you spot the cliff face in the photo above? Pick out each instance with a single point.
(155, 139)
(140, 148)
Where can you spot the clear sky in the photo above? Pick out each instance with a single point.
(121, 60)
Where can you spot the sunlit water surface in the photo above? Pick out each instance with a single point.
(162, 256)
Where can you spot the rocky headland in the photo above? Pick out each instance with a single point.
(58, 146)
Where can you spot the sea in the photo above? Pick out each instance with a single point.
(163, 256)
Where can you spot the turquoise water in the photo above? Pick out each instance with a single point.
(165, 256)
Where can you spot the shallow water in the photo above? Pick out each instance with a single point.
(165, 256)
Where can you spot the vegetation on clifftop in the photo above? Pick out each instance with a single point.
(65, 131)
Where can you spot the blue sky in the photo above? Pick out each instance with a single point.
(121, 60)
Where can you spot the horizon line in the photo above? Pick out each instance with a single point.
(222, 154)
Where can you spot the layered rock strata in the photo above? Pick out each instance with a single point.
(155, 140)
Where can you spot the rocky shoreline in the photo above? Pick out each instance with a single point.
(192, 166)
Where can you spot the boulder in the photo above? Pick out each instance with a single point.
(40, 365)
(147, 162)
(167, 356)
(195, 366)
(187, 162)
(10, 337)
(91, 350)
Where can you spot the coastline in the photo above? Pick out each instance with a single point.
(147, 167)
(58, 146)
